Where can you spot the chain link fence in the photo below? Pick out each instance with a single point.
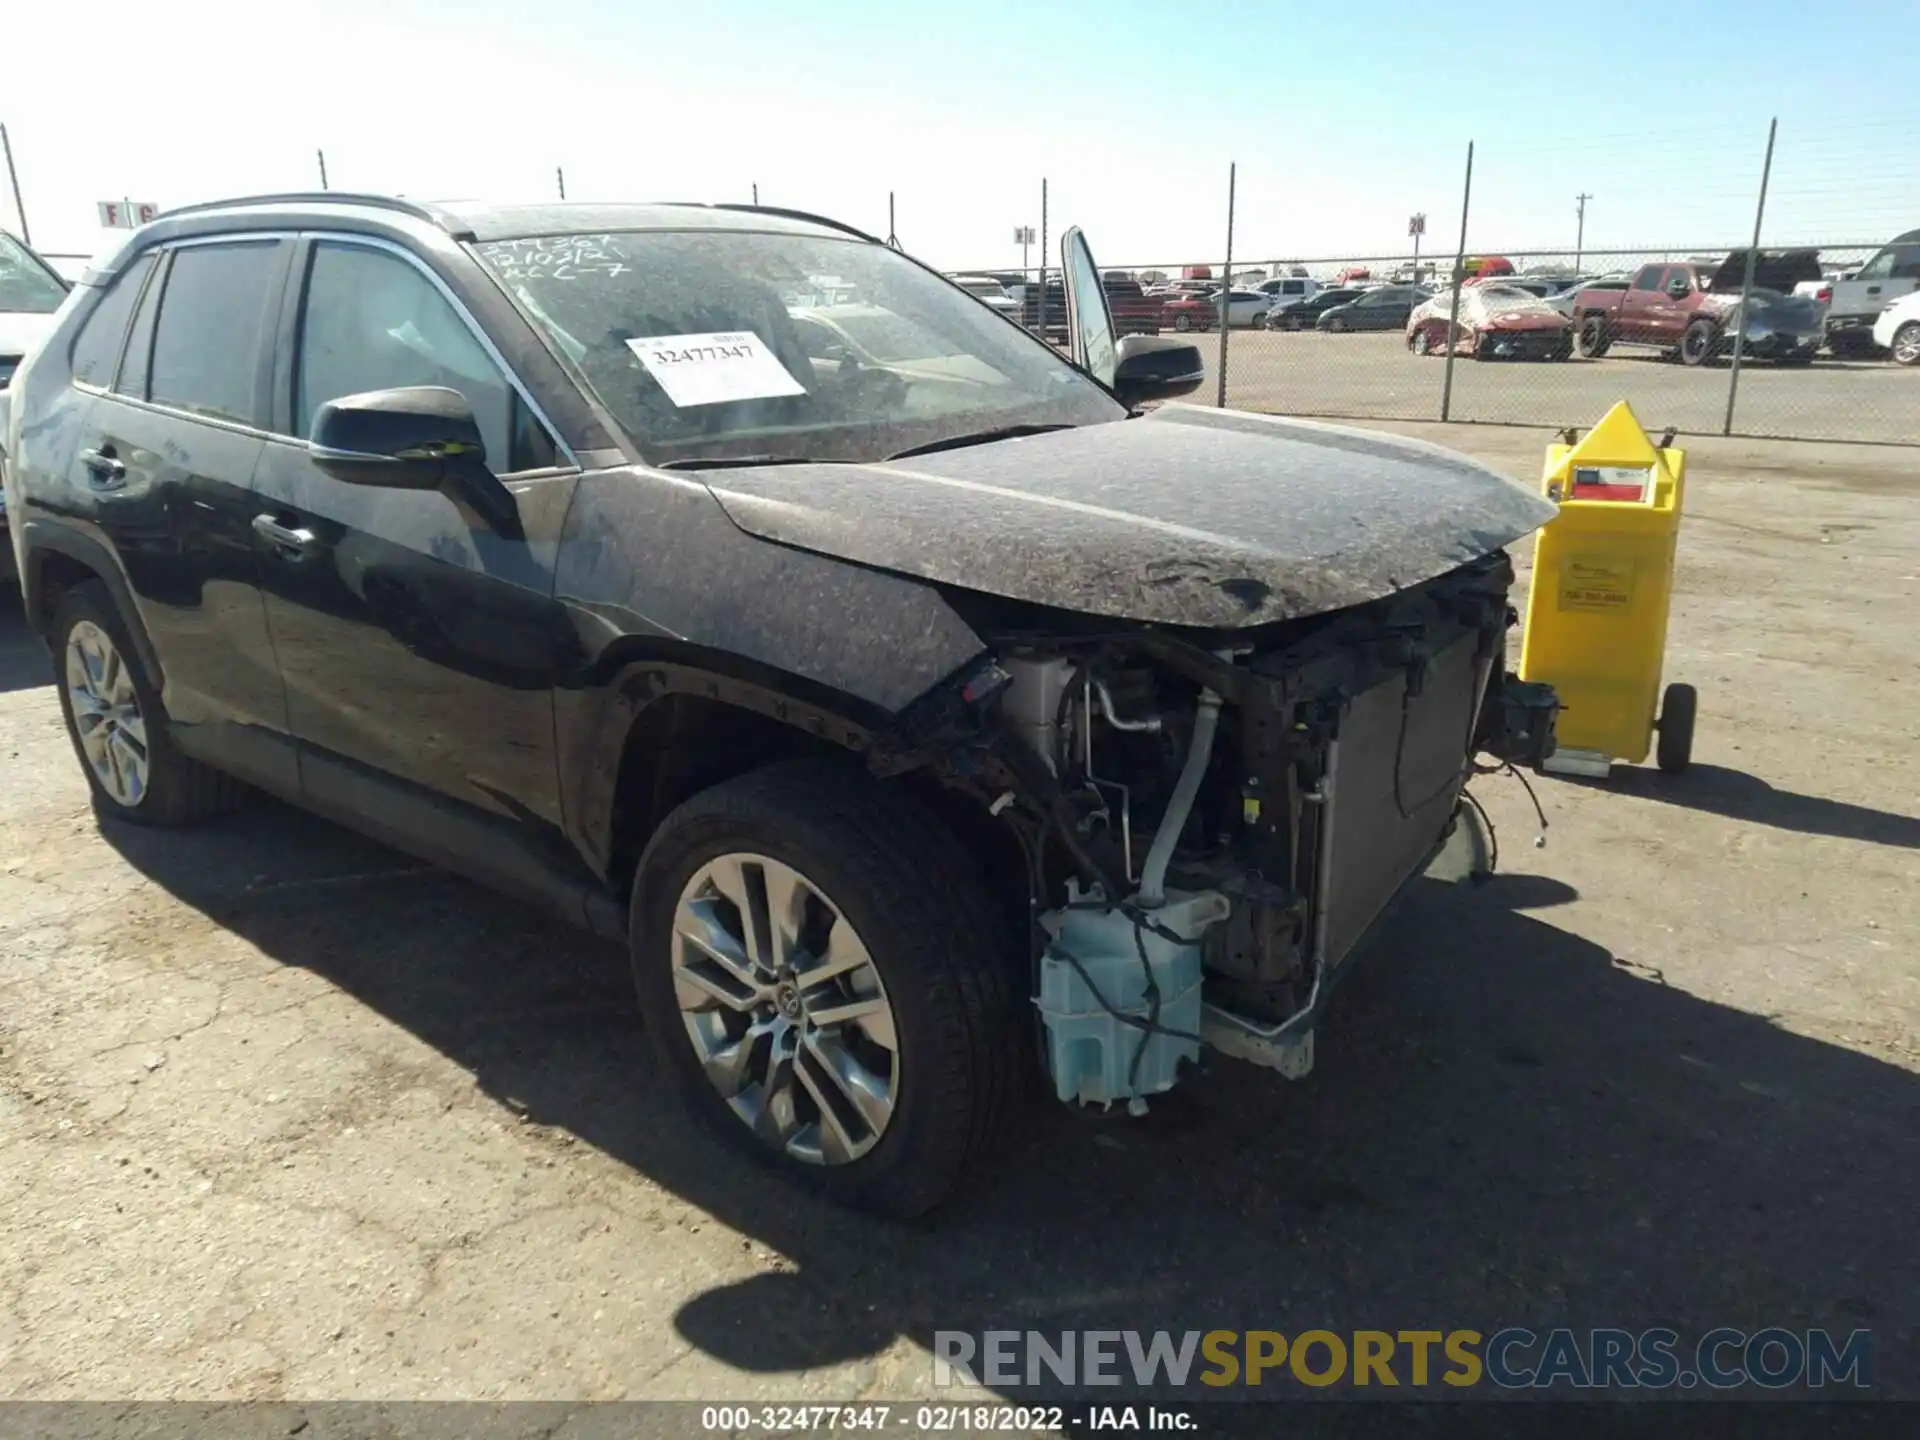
(1342, 337)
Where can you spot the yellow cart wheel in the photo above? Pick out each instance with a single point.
(1677, 708)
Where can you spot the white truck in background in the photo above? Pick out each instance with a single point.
(1854, 304)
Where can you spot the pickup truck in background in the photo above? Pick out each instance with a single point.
(1691, 310)
(1855, 303)
(1134, 311)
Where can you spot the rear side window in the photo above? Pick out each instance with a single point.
(206, 345)
(133, 365)
(96, 349)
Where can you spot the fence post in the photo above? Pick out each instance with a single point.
(1453, 311)
(1746, 281)
(1040, 305)
(1226, 294)
(13, 178)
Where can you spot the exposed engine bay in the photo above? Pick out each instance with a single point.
(1214, 823)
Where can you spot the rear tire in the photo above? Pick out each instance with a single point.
(1421, 344)
(1338, 324)
(118, 725)
(1677, 710)
(917, 908)
(1182, 323)
(1906, 344)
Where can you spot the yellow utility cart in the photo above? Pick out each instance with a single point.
(1596, 627)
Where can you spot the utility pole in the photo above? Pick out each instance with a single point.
(756, 194)
(321, 156)
(893, 236)
(560, 179)
(1580, 234)
(13, 178)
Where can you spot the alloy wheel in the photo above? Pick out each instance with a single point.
(785, 1009)
(1906, 345)
(106, 713)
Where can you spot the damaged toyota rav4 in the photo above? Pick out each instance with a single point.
(924, 714)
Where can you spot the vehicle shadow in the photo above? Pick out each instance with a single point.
(23, 657)
(1740, 796)
(1507, 1125)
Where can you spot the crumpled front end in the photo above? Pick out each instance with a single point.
(1214, 825)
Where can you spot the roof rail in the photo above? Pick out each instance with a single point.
(419, 210)
(805, 215)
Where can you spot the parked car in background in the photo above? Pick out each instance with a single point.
(1563, 298)
(1245, 308)
(1182, 310)
(992, 292)
(1134, 311)
(1693, 310)
(30, 291)
(1898, 330)
(1308, 312)
(1854, 304)
(1495, 322)
(1386, 308)
(1348, 274)
(1286, 291)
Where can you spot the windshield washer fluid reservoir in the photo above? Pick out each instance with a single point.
(1090, 1051)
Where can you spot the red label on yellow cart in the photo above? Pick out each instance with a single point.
(1595, 582)
(1611, 482)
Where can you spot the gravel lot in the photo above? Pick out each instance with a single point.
(283, 1115)
(1374, 375)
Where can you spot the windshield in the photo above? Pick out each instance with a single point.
(715, 344)
(26, 285)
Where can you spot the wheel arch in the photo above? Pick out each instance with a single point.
(57, 559)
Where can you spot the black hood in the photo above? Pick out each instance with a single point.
(1184, 516)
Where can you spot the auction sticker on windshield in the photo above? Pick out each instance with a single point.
(712, 369)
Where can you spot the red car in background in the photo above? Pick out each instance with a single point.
(1189, 312)
(1496, 322)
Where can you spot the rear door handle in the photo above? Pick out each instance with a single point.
(106, 471)
(295, 544)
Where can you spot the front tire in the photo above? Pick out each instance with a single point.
(118, 725)
(822, 977)
(1338, 324)
(1182, 323)
(1592, 340)
(1906, 344)
(1422, 343)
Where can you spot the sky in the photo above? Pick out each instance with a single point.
(1341, 122)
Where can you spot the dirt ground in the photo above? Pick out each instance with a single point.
(285, 1115)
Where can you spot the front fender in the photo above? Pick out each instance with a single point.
(668, 595)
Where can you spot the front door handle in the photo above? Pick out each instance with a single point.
(107, 472)
(295, 544)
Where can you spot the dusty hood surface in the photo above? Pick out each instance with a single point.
(1185, 516)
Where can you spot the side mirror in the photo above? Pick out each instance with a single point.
(412, 439)
(1678, 289)
(420, 438)
(1156, 367)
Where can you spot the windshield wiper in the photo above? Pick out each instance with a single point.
(741, 462)
(978, 437)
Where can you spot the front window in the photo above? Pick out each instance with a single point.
(27, 287)
(715, 344)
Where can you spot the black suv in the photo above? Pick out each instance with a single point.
(845, 685)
